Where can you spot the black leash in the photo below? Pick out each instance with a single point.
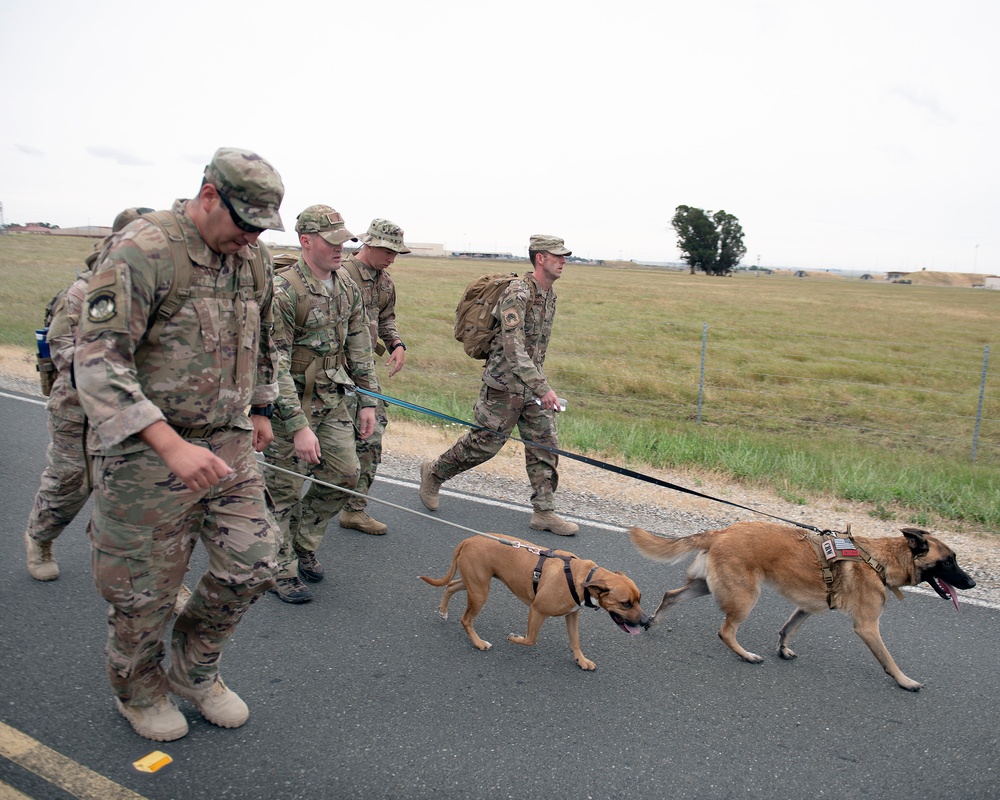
(628, 473)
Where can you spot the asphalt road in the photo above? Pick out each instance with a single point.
(366, 693)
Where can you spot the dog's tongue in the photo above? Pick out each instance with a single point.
(951, 591)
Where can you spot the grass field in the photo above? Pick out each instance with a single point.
(863, 390)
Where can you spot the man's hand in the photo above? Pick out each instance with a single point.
(306, 445)
(396, 360)
(263, 434)
(550, 400)
(198, 468)
(366, 420)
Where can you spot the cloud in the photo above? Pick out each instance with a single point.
(925, 101)
(28, 150)
(122, 157)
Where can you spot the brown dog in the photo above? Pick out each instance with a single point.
(479, 559)
(732, 562)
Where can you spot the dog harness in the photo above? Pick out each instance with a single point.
(537, 574)
(833, 547)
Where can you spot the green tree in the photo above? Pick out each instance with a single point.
(710, 242)
(731, 247)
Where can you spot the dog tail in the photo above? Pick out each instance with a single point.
(451, 570)
(663, 548)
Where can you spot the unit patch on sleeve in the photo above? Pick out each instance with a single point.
(102, 306)
(511, 318)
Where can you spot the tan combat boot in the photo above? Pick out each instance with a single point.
(360, 521)
(429, 487)
(42, 564)
(217, 703)
(549, 521)
(161, 722)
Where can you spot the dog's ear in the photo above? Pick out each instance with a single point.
(917, 539)
(597, 586)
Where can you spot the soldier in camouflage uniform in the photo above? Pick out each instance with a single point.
(173, 448)
(65, 483)
(322, 357)
(368, 269)
(515, 391)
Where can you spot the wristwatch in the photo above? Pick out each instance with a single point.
(398, 344)
(263, 411)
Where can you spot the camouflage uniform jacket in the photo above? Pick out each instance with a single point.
(336, 329)
(517, 352)
(379, 293)
(214, 357)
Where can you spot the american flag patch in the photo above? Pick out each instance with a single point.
(845, 546)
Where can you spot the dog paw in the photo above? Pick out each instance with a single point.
(586, 663)
(910, 685)
(787, 653)
(442, 614)
(484, 645)
(752, 658)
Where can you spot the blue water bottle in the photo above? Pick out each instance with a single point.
(41, 339)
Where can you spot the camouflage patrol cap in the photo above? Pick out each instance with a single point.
(387, 234)
(127, 216)
(325, 221)
(252, 185)
(548, 244)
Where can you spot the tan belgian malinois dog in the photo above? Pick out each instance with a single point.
(731, 564)
(564, 585)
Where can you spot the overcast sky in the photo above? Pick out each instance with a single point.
(861, 134)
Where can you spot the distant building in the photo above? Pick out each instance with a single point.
(867, 277)
(800, 273)
(475, 254)
(427, 249)
(895, 276)
(992, 282)
(91, 231)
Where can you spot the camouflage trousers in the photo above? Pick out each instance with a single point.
(369, 452)
(65, 484)
(144, 527)
(303, 519)
(500, 412)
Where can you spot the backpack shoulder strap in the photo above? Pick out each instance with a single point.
(258, 266)
(180, 287)
(292, 275)
(353, 271)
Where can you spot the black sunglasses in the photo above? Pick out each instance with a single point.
(238, 221)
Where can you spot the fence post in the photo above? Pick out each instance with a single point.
(701, 378)
(979, 408)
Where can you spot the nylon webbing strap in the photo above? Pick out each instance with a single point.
(537, 573)
(628, 473)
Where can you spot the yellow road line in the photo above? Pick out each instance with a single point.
(8, 792)
(82, 783)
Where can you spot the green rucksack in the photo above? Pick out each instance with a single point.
(475, 323)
